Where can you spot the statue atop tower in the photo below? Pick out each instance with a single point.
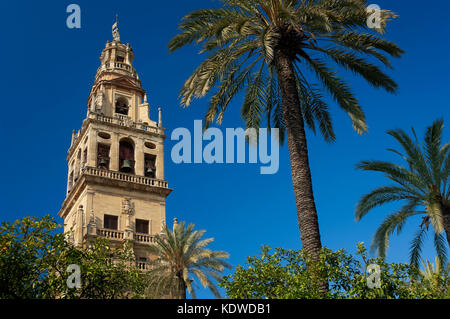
(115, 29)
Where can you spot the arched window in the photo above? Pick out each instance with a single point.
(122, 106)
(150, 165)
(84, 157)
(126, 156)
(77, 165)
(70, 182)
(103, 156)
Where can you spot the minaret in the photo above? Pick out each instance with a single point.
(116, 187)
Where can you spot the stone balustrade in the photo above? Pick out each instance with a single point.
(125, 121)
(142, 265)
(143, 180)
(119, 235)
(110, 233)
(143, 238)
(116, 65)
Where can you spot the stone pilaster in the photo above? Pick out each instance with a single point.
(79, 229)
(91, 228)
(139, 151)
(114, 152)
(160, 161)
(92, 148)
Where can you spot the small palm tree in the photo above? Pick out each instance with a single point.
(423, 183)
(278, 52)
(181, 254)
(431, 271)
(434, 278)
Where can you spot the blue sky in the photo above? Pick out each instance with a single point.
(47, 71)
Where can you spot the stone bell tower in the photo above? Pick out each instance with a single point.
(115, 186)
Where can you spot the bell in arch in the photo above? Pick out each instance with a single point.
(126, 166)
(102, 163)
(150, 172)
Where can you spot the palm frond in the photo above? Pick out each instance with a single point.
(432, 145)
(378, 197)
(440, 244)
(359, 66)
(341, 93)
(391, 223)
(314, 108)
(416, 247)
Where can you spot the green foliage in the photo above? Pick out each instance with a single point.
(282, 273)
(106, 272)
(433, 281)
(243, 40)
(180, 255)
(27, 248)
(422, 184)
(34, 257)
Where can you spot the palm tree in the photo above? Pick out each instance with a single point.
(181, 254)
(423, 187)
(434, 278)
(277, 51)
(431, 271)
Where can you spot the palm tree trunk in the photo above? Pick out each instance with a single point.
(181, 287)
(446, 218)
(298, 151)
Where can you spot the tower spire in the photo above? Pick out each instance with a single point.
(115, 29)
